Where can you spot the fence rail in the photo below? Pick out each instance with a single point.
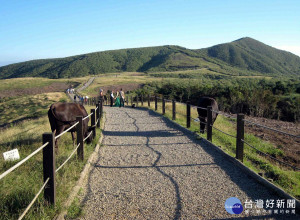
(49, 155)
(67, 159)
(61, 134)
(34, 199)
(207, 121)
(268, 155)
(23, 161)
(272, 129)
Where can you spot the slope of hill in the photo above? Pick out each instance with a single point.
(253, 55)
(234, 58)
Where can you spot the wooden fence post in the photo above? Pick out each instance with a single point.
(93, 122)
(163, 106)
(148, 100)
(49, 168)
(173, 110)
(188, 114)
(209, 123)
(79, 131)
(240, 137)
(155, 103)
(101, 110)
(98, 115)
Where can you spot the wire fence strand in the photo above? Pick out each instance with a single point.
(273, 129)
(180, 113)
(223, 132)
(88, 136)
(22, 161)
(224, 114)
(194, 106)
(34, 199)
(195, 119)
(268, 155)
(87, 116)
(66, 130)
(67, 159)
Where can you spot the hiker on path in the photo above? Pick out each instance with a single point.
(112, 98)
(122, 98)
(101, 95)
(117, 100)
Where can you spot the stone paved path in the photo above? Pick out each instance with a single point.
(150, 169)
(87, 84)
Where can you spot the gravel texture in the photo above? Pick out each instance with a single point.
(150, 169)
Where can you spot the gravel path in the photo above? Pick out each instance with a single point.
(151, 169)
(87, 84)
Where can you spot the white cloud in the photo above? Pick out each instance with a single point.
(290, 48)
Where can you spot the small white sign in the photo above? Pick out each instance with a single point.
(11, 155)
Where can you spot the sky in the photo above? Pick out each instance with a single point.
(60, 28)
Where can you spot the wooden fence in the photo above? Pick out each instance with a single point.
(48, 147)
(240, 124)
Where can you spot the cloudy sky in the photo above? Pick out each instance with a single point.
(48, 29)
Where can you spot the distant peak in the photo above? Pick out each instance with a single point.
(245, 39)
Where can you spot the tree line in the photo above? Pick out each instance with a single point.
(276, 99)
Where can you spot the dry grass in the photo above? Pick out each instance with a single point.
(28, 107)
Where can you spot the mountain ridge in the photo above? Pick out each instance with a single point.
(242, 55)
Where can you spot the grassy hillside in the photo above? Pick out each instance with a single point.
(250, 54)
(242, 57)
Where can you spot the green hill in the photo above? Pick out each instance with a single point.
(250, 54)
(241, 57)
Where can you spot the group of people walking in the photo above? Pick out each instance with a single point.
(83, 99)
(118, 99)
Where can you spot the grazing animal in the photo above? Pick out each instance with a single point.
(63, 115)
(204, 102)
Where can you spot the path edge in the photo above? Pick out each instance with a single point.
(236, 162)
(83, 175)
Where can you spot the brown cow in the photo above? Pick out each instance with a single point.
(63, 115)
(204, 102)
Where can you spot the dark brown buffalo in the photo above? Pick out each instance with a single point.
(204, 102)
(63, 115)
